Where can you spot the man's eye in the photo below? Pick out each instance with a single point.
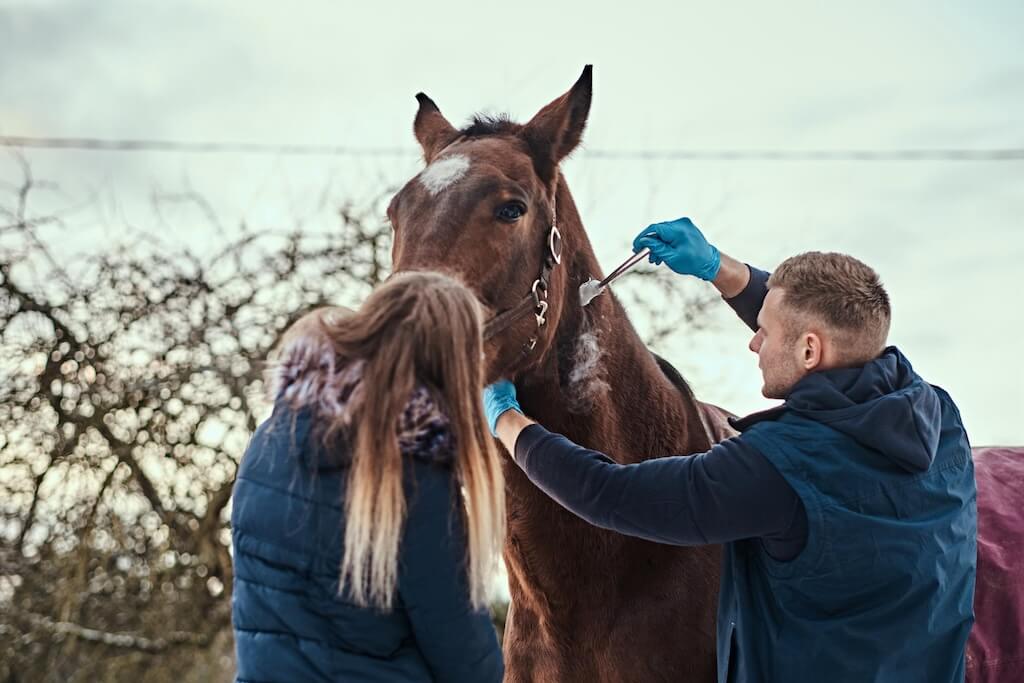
(511, 212)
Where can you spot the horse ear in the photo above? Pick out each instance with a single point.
(431, 128)
(557, 129)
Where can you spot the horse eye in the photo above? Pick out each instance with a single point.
(511, 212)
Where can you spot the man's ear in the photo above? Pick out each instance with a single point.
(813, 352)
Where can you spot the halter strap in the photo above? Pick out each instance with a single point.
(536, 299)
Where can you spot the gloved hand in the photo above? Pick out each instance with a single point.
(681, 246)
(498, 398)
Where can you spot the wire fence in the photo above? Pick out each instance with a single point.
(209, 147)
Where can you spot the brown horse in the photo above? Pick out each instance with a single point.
(587, 604)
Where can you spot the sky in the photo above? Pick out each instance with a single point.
(947, 237)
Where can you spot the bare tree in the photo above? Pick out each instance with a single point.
(130, 382)
(129, 385)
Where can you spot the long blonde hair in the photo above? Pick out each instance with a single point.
(418, 328)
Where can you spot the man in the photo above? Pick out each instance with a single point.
(847, 513)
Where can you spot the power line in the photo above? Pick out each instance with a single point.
(142, 145)
(118, 145)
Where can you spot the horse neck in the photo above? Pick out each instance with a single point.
(598, 384)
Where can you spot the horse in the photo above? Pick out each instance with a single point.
(492, 208)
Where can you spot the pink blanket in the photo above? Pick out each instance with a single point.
(995, 651)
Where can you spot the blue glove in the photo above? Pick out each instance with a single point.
(498, 398)
(681, 246)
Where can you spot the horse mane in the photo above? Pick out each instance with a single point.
(675, 377)
(490, 124)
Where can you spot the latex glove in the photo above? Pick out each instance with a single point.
(498, 398)
(681, 246)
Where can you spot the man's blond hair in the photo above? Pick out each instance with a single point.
(842, 293)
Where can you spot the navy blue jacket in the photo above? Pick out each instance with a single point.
(290, 622)
(815, 562)
(883, 591)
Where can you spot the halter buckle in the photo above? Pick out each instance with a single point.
(539, 296)
(542, 309)
(555, 244)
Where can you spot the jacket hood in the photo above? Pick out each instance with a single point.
(306, 377)
(883, 405)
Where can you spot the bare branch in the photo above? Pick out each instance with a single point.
(121, 640)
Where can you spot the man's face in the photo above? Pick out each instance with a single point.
(778, 347)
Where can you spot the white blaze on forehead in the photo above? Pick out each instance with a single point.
(444, 173)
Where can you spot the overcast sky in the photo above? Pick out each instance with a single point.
(947, 237)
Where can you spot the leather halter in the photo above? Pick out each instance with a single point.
(536, 300)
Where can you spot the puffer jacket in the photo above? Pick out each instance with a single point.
(291, 622)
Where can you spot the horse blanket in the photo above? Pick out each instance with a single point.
(995, 651)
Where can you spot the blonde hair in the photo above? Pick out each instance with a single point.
(841, 292)
(417, 329)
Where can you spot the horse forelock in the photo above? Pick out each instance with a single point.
(490, 124)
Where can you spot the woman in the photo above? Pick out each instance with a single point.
(368, 513)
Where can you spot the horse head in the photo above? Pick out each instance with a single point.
(490, 209)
